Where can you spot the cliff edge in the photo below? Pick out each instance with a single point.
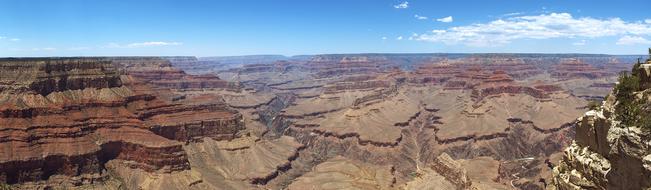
(612, 147)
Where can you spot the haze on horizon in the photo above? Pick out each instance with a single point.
(222, 28)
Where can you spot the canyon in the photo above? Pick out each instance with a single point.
(333, 121)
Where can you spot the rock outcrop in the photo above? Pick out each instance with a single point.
(607, 154)
(452, 171)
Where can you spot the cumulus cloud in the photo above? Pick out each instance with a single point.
(648, 21)
(384, 37)
(402, 5)
(413, 36)
(633, 40)
(143, 44)
(579, 43)
(544, 26)
(445, 19)
(420, 17)
(399, 38)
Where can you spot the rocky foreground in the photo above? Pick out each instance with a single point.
(324, 122)
(610, 151)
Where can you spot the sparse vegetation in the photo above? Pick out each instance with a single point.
(631, 110)
(594, 105)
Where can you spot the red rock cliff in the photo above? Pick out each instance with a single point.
(69, 116)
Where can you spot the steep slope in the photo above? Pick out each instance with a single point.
(63, 119)
(611, 149)
(74, 122)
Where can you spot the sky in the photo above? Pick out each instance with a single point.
(34, 28)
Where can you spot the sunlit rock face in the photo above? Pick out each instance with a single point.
(606, 154)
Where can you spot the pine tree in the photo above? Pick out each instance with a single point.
(626, 108)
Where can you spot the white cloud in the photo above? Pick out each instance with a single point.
(384, 37)
(445, 19)
(420, 17)
(142, 44)
(402, 5)
(399, 38)
(633, 40)
(512, 14)
(579, 43)
(544, 26)
(648, 21)
(413, 36)
(2, 37)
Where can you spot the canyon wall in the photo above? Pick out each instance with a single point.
(63, 119)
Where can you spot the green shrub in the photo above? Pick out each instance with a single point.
(630, 110)
(624, 92)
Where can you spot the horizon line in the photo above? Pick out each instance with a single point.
(297, 55)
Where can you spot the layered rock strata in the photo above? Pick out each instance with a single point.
(64, 119)
(575, 68)
(159, 72)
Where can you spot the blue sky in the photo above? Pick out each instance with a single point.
(243, 27)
